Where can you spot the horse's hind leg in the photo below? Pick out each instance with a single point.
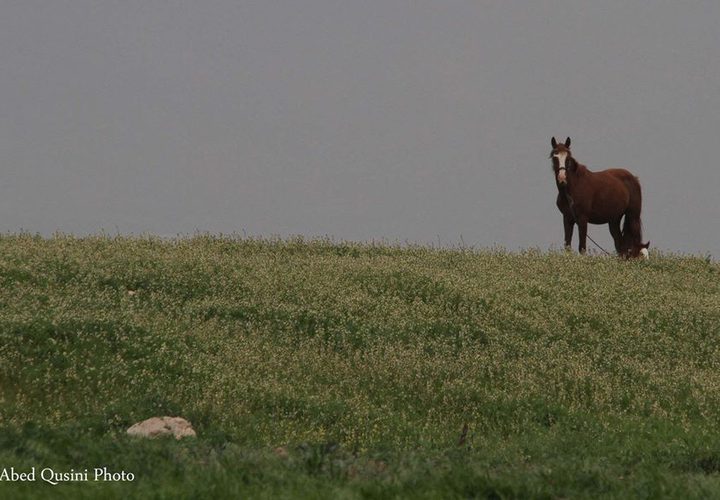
(616, 234)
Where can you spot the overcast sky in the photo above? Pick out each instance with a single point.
(419, 121)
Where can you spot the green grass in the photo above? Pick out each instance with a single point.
(334, 370)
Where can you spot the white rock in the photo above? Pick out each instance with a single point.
(162, 426)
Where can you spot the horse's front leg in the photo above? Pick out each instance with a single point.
(582, 234)
(569, 224)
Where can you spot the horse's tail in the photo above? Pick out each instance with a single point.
(632, 226)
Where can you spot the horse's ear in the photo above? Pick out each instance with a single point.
(567, 142)
(553, 142)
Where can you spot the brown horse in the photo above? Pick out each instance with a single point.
(598, 198)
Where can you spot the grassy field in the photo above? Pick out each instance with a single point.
(326, 370)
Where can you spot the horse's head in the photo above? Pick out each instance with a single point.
(640, 251)
(562, 160)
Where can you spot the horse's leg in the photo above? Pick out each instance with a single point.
(582, 233)
(569, 224)
(616, 234)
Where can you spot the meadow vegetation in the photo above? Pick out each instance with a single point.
(335, 370)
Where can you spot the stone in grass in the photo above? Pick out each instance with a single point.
(162, 426)
(281, 452)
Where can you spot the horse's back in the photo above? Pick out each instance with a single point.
(626, 178)
(620, 173)
(632, 185)
(610, 180)
(608, 194)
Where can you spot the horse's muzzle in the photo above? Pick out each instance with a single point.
(562, 177)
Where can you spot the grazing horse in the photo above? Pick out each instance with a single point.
(598, 198)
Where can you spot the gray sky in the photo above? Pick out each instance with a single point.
(398, 120)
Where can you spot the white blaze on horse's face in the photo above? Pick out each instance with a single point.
(644, 253)
(561, 157)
